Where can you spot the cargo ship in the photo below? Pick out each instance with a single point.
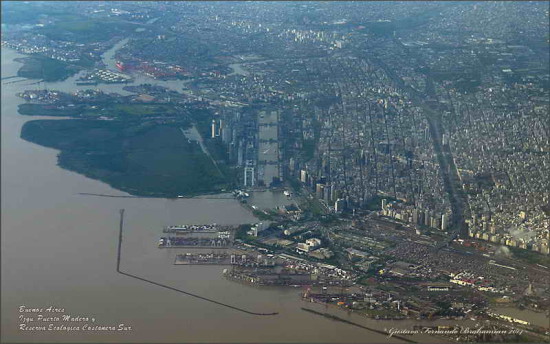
(120, 65)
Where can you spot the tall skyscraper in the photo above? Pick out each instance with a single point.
(214, 128)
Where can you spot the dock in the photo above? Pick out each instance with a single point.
(119, 270)
(185, 242)
(223, 258)
(205, 228)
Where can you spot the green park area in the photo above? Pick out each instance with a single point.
(141, 158)
(122, 111)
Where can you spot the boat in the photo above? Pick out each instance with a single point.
(120, 65)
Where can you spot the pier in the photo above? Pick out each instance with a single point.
(233, 259)
(158, 196)
(119, 253)
(182, 242)
(202, 259)
(206, 228)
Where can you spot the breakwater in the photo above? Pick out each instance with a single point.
(119, 254)
(129, 196)
(336, 318)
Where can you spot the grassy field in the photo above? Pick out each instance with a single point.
(139, 158)
(41, 110)
(142, 110)
(123, 111)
